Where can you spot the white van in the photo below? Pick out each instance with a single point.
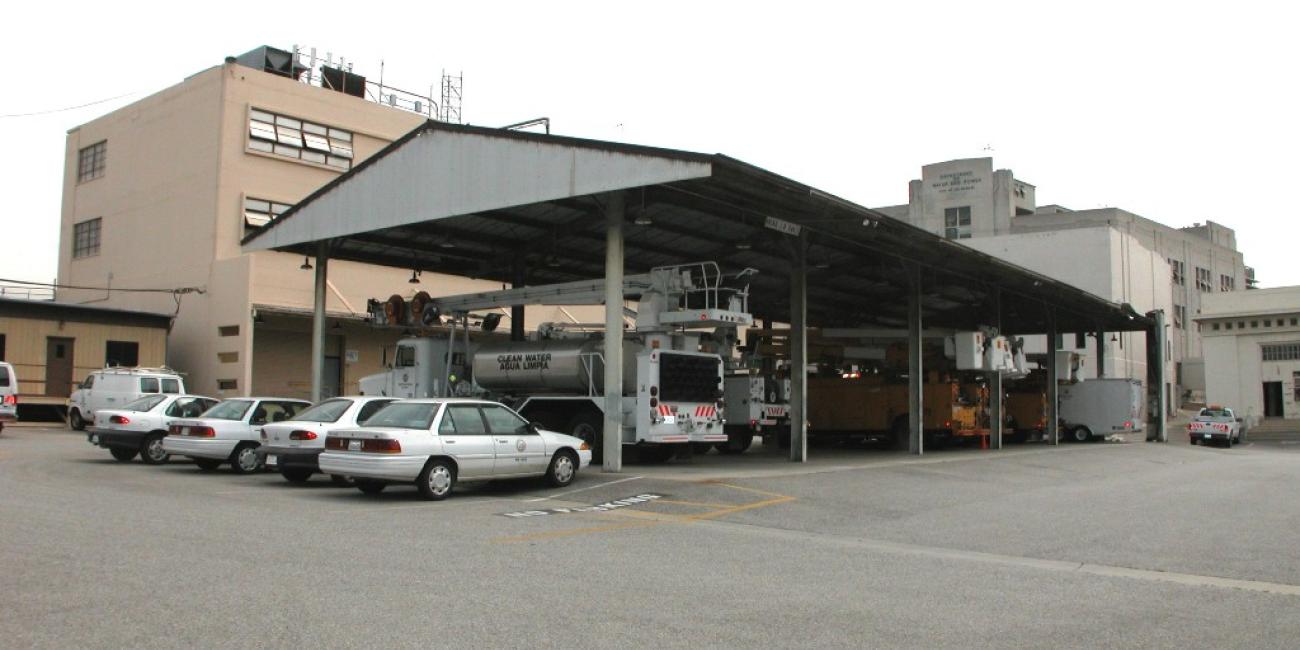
(113, 387)
(8, 395)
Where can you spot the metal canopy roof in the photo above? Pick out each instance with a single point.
(475, 202)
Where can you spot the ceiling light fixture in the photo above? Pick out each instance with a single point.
(743, 246)
(415, 277)
(306, 263)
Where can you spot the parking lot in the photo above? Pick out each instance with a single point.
(1081, 545)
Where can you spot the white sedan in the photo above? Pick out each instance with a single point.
(293, 445)
(138, 427)
(230, 432)
(436, 443)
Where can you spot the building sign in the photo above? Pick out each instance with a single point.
(352, 356)
(530, 361)
(781, 225)
(956, 182)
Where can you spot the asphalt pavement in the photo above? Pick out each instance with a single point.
(1108, 544)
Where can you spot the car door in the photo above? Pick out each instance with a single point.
(519, 447)
(464, 435)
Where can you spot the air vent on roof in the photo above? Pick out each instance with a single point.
(343, 81)
(272, 60)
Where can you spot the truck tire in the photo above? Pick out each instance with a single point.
(1081, 434)
(898, 433)
(738, 440)
(589, 426)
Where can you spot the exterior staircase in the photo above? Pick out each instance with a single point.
(1273, 429)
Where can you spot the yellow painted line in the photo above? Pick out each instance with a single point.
(741, 508)
(746, 489)
(696, 504)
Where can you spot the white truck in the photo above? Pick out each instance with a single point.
(672, 392)
(1094, 408)
(1215, 424)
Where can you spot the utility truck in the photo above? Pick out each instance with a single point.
(672, 391)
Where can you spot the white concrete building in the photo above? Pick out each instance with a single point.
(1111, 252)
(1252, 351)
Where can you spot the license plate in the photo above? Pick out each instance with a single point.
(354, 445)
(270, 459)
(1207, 436)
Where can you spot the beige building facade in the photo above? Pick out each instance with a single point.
(1114, 253)
(1252, 351)
(158, 194)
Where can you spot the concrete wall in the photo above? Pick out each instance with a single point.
(25, 347)
(1234, 326)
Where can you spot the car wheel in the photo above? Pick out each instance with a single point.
(152, 452)
(75, 420)
(207, 464)
(371, 487)
(295, 474)
(1081, 434)
(121, 454)
(563, 469)
(342, 481)
(436, 480)
(245, 459)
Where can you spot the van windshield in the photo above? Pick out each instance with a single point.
(231, 409)
(144, 403)
(403, 416)
(327, 411)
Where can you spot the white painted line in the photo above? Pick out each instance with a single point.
(589, 487)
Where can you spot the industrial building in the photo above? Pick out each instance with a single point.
(159, 193)
(1110, 252)
(1252, 350)
(572, 210)
(54, 346)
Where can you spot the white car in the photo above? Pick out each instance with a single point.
(436, 443)
(230, 432)
(140, 426)
(293, 445)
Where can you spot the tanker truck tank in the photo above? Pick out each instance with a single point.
(551, 366)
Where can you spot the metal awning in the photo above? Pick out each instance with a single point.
(480, 202)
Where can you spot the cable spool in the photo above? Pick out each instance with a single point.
(395, 310)
(415, 315)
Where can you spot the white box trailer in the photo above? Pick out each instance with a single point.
(1097, 407)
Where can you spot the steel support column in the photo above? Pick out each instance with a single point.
(520, 270)
(1158, 402)
(915, 380)
(613, 429)
(799, 351)
(996, 418)
(1101, 353)
(1051, 430)
(318, 321)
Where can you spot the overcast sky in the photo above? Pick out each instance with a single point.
(1180, 112)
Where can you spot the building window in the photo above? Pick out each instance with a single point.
(122, 353)
(1215, 326)
(85, 238)
(259, 212)
(1203, 279)
(1295, 382)
(91, 161)
(227, 384)
(1254, 324)
(1180, 271)
(2, 347)
(1227, 283)
(1180, 316)
(1281, 351)
(1293, 322)
(1227, 326)
(227, 330)
(956, 222)
(293, 138)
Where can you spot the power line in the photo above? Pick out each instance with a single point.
(53, 285)
(69, 108)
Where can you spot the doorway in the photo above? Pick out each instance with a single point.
(1272, 399)
(332, 379)
(58, 366)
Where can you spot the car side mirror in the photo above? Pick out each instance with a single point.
(532, 428)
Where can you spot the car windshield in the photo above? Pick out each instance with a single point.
(404, 416)
(327, 411)
(231, 409)
(144, 403)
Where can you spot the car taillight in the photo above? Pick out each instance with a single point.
(176, 430)
(302, 435)
(11, 400)
(202, 432)
(382, 446)
(335, 442)
(119, 419)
